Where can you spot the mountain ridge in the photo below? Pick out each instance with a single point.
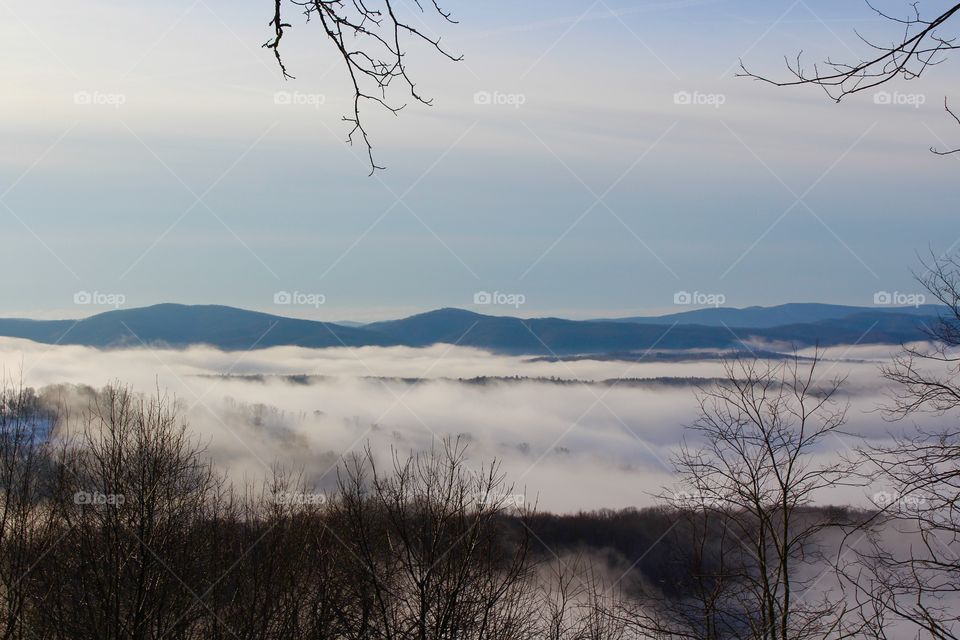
(758, 317)
(229, 328)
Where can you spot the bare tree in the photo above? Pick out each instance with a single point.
(373, 39)
(911, 570)
(129, 490)
(430, 553)
(749, 482)
(920, 43)
(26, 527)
(700, 598)
(576, 603)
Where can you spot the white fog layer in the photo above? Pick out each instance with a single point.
(572, 435)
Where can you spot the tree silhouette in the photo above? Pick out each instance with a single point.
(921, 44)
(372, 38)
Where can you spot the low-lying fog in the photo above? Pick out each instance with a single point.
(585, 444)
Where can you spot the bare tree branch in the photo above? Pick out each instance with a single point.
(372, 38)
(919, 46)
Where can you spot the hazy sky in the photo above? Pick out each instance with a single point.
(584, 186)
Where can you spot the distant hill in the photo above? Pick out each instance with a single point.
(223, 327)
(768, 317)
(180, 325)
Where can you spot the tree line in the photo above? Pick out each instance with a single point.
(115, 523)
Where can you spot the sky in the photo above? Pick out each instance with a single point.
(585, 160)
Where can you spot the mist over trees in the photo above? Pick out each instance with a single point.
(115, 523)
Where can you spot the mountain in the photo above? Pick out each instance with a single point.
(223, 327)
(180, 325)
(780, 315)
(543, 335)
(562, 337)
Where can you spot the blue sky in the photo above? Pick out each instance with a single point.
(589, 190)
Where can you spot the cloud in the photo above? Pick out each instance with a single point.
(566, 438)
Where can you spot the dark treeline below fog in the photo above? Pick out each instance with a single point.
(394, 320)
(119, 518)
(116, 522)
